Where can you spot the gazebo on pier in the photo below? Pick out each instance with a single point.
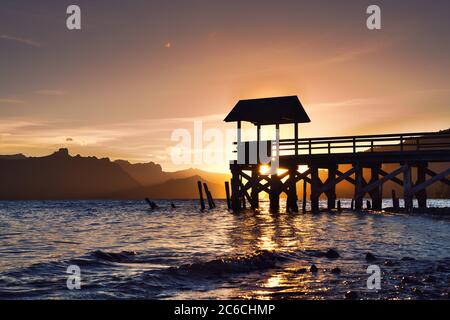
(276, 111)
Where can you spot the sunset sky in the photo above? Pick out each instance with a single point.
(140, 69)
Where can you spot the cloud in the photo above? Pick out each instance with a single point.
(11, 101)
(355, 53)
(345, 103)
(28, 42)
(50, 92)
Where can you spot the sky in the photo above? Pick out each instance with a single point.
(138, 70)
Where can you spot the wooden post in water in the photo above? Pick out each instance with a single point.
(395, 201)
(227, 193)
(292, 191)
(314, 188)
(211, 203)
(339, 208)
(274, 196)
(368, 205)
(304, 196)
(200, 194)
(352, 205)
(255, 189)
(358, 187)
(376, 193)
(421, 177)
(235, 197)
(331, 194)
(407, 186)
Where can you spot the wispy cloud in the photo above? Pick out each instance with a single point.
(345, 103)
(11, 101)
(355, 53)
(28, 42)
(50, 92)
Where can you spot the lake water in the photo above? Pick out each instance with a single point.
(124, 250)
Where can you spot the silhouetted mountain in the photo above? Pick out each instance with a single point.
(13, 156)
(61, 176)
(183, 188)
(145, 173)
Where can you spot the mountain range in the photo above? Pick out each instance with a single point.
(62, 176)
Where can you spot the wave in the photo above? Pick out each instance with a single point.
(259, 260)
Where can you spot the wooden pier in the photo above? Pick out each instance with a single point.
(408, 151)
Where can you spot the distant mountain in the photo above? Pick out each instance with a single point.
(61, 176)
(183, 188)
(145, 173)
(151, 173)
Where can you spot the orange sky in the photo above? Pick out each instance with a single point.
(135, 72)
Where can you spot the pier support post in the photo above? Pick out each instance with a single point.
(304, 195)
(235, 197)
(274, 196)
(407, 186)
(227, 193)
(358, 187)
(255, 189)
(421, 177)
(292, 191)
(331, 194)
(376, 193)
(315, 188)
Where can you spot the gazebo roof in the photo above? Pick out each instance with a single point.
(266, 111)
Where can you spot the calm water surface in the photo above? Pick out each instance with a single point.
(126, 251)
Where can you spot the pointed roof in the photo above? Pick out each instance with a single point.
(266, 111)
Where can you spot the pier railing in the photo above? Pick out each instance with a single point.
(403, 142)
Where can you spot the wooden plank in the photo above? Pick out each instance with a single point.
(432, 174)
(394, 179)
(341, 177)
(425, 184)
(346, 177)
(385, 178)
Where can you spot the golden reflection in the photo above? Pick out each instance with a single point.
(273, 281)
(264, 169)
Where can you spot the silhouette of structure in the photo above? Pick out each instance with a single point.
(411, 151)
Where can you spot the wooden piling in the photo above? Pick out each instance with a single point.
(235, 197)
(304, 195)
(274, 195)
(395, 202)
(368, 205)
(255, 190)
(331, 194)
(376, 193)
(205, 186)
(358, 187)
(291, 203)
(407, 186)
(314, 197)
(200, 194)
(339, 208)
(421, 177)
(227, 192)
(352, 205)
